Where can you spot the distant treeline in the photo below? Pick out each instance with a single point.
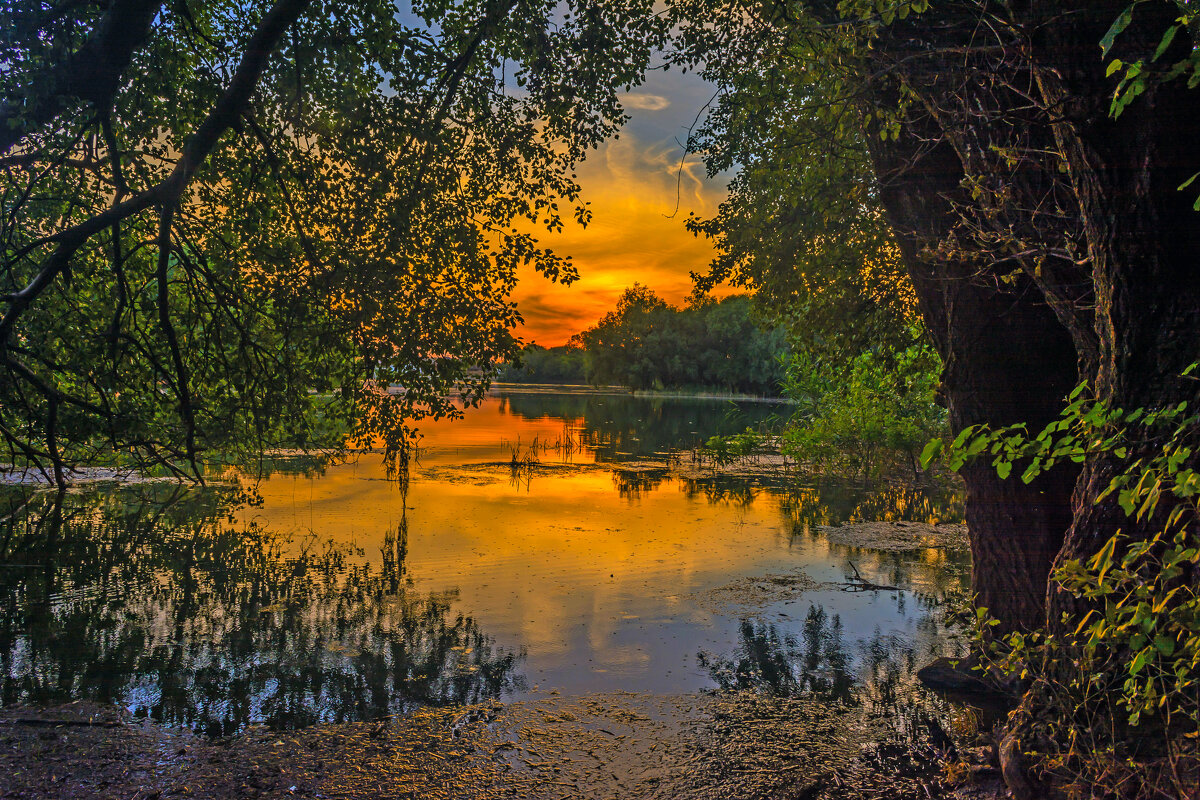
(647, 344)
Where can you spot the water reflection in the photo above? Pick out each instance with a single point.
(816, 663)
(339, 594)
(632, 484)
(876, 673)
(832, 502)
(153, 599)
(625, 428)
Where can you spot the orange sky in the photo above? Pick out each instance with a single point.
(631, 184)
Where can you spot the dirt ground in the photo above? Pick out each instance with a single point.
(617, 745)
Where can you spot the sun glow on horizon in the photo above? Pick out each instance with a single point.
(640, 197)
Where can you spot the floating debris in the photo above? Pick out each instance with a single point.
(897, 536)
(755, 592)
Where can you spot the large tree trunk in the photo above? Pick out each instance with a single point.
(1015, 339)
(1143, 237)
(1008, 359)
(1010, 356)
(1007, 112)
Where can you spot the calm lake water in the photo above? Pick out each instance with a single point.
(549, 543)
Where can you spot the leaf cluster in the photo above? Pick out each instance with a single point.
(802, 226)
(1135, 646)
(261, 210)
(866, 418)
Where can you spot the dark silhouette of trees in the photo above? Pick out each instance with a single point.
(211, 210)
(646, 344)
(1035, 167)
(218, 626)
(564, 364)
(1046, 240)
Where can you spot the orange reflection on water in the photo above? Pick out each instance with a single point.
(602, 590)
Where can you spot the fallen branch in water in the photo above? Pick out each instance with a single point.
(859, 583)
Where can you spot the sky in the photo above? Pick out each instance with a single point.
(637, 232)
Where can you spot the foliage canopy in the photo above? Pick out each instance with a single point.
(212, 210)
(646, 344)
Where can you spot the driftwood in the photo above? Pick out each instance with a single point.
(861, 584)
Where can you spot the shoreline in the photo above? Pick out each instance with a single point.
(625, 391)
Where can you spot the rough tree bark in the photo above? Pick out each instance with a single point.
(1105, 288)
(1125, 296)
(1008, 356)
(1142, 233)
(1016, 528)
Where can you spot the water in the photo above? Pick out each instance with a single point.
(549, 544)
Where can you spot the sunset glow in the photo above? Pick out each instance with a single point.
(640, 199)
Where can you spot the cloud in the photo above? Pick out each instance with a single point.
(643, 101)
(640, 199)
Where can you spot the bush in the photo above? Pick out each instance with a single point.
(875, 414)
(1113, 706)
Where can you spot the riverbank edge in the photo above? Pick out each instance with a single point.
(499, 387)
(89, 750)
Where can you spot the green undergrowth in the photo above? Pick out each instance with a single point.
(1112, 707)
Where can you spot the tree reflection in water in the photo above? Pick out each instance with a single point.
(631, 484)
(155, 599)
(819, 664)
(814, 664)
(619, 427)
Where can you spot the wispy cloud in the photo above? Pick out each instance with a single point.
(643, 101)
(640, 197)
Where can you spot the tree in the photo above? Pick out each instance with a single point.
(212, 210)
(647, 344)
(546, 365)
(616, 343)
(1042, 201)
(1045, 240)
(877, 413)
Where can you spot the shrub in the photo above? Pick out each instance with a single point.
(1113, 704)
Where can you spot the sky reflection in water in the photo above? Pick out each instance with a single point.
(342, 597)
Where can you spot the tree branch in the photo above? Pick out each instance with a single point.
(227, 111)
(92, 73)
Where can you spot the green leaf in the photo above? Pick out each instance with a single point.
(1003, 469)
(1164, 644)
(1119, 24)
(930, 452)
(962, 437)
(1167, 37)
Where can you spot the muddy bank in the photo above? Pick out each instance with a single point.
(897, 536)
(613, 745)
